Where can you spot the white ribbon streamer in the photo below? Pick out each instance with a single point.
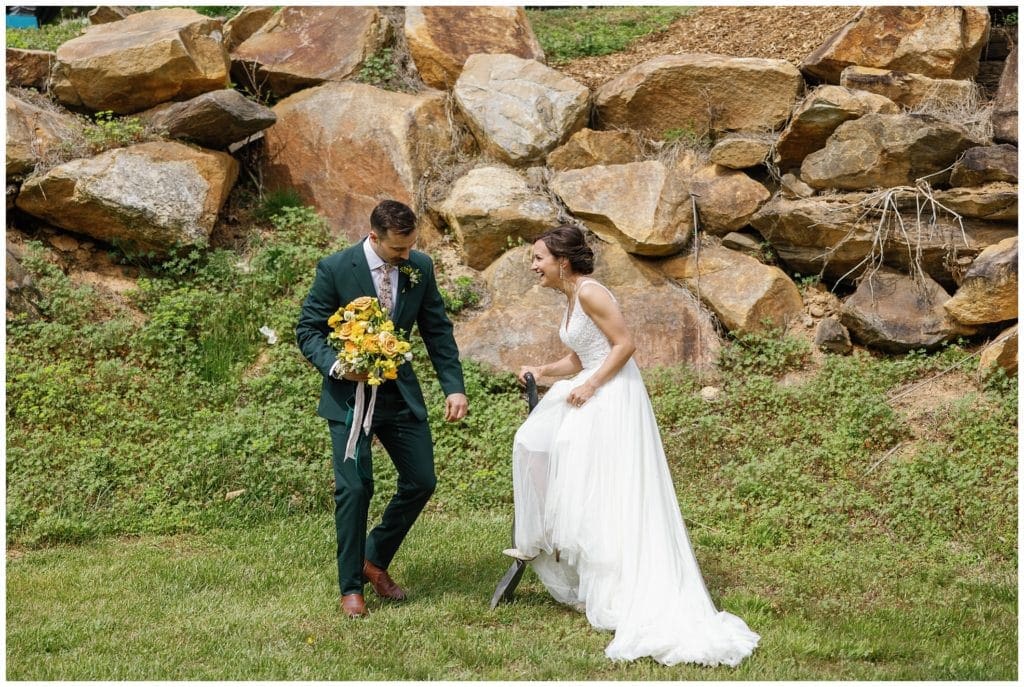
(359, 421)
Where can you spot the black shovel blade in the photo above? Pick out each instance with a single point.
(507, 587)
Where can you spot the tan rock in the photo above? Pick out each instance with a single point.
(214, 120)
(988, 292)
(835, 233)
(983, 164)
(906, 89)
(34, 134)
(832, 337)
(147, 197)
(746, 295)
(141, 61)
(668, 324)
(1001, 352)
(881, 151)
(587, 148)
(642, 206)
(818, 116)
(996, 202)
(345, 146)
(891, 312)
(248, 21)
(939, 42)
(726, 198)
(685, 92)
(792, 187)
(519, 110)
(29, 68)
(491, 206)
(441, 39)
(105, 14)
(304, 46)
(737, 151)
(1004, 107)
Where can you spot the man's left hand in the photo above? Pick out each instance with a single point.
(455, 407)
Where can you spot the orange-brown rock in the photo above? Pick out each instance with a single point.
(906, 89)
(988, 292)
(244, 24)
(984, 164)
(441, 39)
(644, 207)
(587, 148)
(346, 146)
(105, 14)
(726, 198)
(940, 42)
(1004, 107)
(141, 61)
(1001, 352)
(214, 120)
(685, 92)
(34, 134)
(305, 46)
(147, 197)
(29, 68)
(739, 151)
(747, 295)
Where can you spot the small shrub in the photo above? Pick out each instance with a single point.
(568, 33)
(274, 202)
(769, 353)
(108, 131)
(464, 293)
(46, 37)
(378, 69)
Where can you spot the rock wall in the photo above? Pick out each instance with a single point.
(707, 182)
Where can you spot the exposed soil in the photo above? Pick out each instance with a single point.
(786, 33)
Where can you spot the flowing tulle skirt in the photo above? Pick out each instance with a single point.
(594, 502)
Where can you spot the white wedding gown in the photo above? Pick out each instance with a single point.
(594, 502)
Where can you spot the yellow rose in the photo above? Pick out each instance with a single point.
(404, 346)
(361, 303)
(388, 343)
(334, 320)
(390, 374)
(388, 326)
(351, 347)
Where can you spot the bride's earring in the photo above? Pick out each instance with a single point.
(560, 275)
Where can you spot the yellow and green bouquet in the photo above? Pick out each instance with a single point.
(367, 341)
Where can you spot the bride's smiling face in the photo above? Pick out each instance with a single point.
(545, 265)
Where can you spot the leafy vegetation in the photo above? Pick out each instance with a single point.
(378, 69)
(568, 33)
(48, 36)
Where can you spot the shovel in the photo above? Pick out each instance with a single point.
(507, 586)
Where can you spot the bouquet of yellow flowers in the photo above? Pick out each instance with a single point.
(367, 341)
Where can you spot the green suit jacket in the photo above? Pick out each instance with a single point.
(345, 276)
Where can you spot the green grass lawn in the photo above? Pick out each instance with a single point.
(260, 604)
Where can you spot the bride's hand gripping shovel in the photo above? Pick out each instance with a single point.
(510, 580)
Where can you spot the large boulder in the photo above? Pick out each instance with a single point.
(892, 312)
(836, 234)
(880, 151)
(908, 90)
(248, 21)
(141, 61)
(996, 201)
(643, 206)
(29, 68)
(668, 324)
(726, 198)
(746, 295)
(491, 206)
(686, 92)
(983, 164)
(988, 292)
(519, 110)
(306, 46)
(1004, 107)
(819, 115)
(441, 39)
(1000, 353)
(214, 120)
(940, 42)
(34, 134)
(587, 148)
(147, 197)
(346, 146)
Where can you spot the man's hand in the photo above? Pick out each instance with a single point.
(455, 407)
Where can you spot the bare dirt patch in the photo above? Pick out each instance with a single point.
(784, 33)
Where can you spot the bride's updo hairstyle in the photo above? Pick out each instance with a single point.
(568, 242)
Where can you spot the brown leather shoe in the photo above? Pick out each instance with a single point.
(382, 582)
(353, 605)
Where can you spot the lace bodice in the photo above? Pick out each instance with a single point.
(579, 332)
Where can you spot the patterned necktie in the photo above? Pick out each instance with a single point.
(384, 289)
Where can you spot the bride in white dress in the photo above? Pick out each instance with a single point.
(595, 510)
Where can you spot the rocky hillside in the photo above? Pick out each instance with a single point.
(716, 167)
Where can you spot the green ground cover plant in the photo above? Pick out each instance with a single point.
(571, 32)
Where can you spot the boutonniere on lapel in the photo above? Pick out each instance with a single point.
(413, 274)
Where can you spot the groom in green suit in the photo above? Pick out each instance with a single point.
(382, 265)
